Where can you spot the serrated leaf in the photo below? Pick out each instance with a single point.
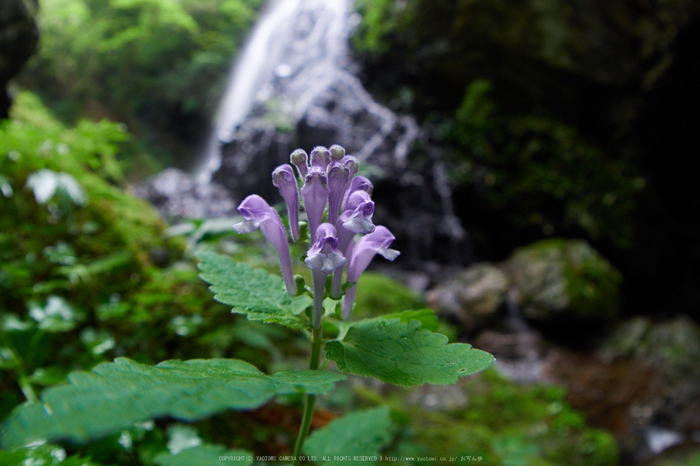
(205, 455)
(301, 303)
(359, 433)
(400, 353)
(115, 395)
(426, 317)
(253, 292)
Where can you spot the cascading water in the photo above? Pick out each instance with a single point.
(296, 42)
(295, 85)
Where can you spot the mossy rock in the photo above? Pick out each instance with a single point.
(672, 346)
(560, 279)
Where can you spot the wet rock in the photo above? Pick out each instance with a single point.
(642, 384)
(19, 36)
(671, 348)
(178, 195)
(564, 281)
(473, 296)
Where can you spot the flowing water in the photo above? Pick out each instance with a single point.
(294, 44)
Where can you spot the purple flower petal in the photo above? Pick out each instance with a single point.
(283, 178)
(365, 249)
(320, 157)
(256, 211)
(315, 194)
(359, 183)
(338, 180)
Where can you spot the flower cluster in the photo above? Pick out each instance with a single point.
(330, 185)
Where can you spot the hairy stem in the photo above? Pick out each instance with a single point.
(309, 400)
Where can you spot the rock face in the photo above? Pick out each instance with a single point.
(564, 280)
(178, 195)
(473, 296)
(19, 36)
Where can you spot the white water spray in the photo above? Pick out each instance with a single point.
(293, 39)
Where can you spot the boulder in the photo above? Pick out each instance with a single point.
(178, 195)
(564, 281)
(473, 296)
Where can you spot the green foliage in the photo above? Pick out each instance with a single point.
(540, 172)
(44, 455)
(362, 432)
(116, 395)
(154, 64)
(400, 353)
(256, 293)
(204, 455)
(378, 294)
(380, 19)
(500, 421)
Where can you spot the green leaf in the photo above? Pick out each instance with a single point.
(205, 455)
(115, 395)
(255, 293)
(359, 433)
(426, 317)
(45, 455)
(400, 353)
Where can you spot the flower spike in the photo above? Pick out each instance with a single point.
(258, 214)
(377, 242)
(315, 194)
(283, 179)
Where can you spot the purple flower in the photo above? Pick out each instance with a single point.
(323, 254)
(315, 194)
(351, 163)
(377, 242)
(356, 218)
(320, 157)
(258, 214)
(300, 160)
(283, 178)
(323, 258)
(338, 179)
(359, 183)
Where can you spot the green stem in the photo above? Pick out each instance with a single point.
(309, 400)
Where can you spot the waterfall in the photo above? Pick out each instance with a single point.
(295, 41)
(295, 84)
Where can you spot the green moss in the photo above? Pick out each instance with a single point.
(378, 294)
(503, 423)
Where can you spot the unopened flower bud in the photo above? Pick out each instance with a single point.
(283, 178)
(300, 160)
(320, 157)
(337, 152)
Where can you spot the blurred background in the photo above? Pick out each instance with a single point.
(536, 161)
